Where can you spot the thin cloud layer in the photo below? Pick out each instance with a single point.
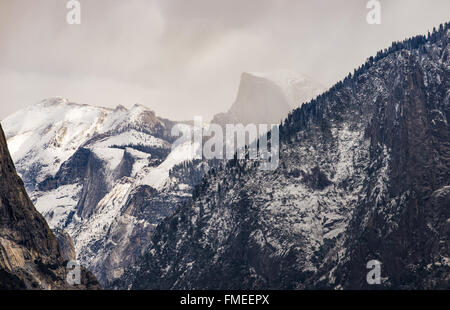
(184, 58)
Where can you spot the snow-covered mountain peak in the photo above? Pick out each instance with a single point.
(53, 101)
(297, 87)
(281, 77)
(46, 134)
(138, 110)
(120, 108)
(57, 101)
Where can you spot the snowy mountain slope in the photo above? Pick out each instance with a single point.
(82, 165)
(364, 174)
(43, 136)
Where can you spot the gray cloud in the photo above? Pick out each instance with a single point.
(183, 58)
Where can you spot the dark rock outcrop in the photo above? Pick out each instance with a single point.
(30, 257)
(66, 244)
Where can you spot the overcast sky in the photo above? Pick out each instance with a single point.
(185, 57)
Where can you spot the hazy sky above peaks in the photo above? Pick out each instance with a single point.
(184, 57)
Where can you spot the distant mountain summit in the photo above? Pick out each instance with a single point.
(267, 98)
(298, 88)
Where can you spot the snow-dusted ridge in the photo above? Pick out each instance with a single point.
(44, 135)
(82, 166)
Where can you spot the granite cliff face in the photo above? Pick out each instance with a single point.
(30, 257)
(364, 175)
(66, 244)
(267, 98)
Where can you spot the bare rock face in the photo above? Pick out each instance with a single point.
(30, 257)
(66, 244)
(268, 98)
